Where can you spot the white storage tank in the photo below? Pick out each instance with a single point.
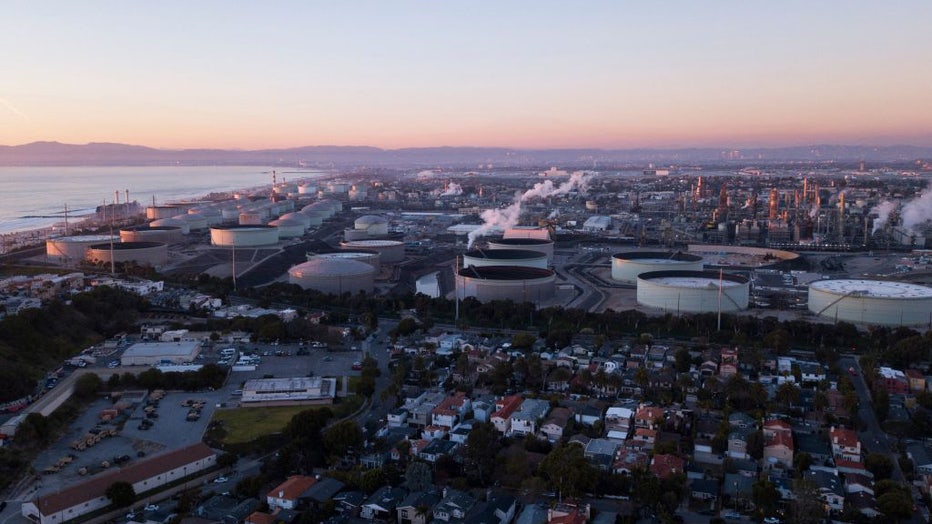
(243, 236)
(334, 275)
(297, 217)
(531, 244)
(172, 222)
(369, 257)
(519, 284)
(505, 257)
(250, 219)
(693, 291)
(196, 221)
(307, 189)
(372, 225)
(390, 251)
(166, 234)
(73, 248)
(877, 302)
(143, 253)
(628, 265)
(288, 228)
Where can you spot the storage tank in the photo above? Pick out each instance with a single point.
(73, 248)
(307, 189)
(505, 257)
(165, 234)
(196, 221)
(316, 219)
(372, 225)
(172, 222)
(165, 211)
(243, 236)
(288, 228)
(321, 207)
(143, 253)
(333, 275)
(229, 214)
(693, 291)
(530, 244)
(297, 217)
(212, 215)
(628, 265)
(520, 284)
(390, 251)
(877, 302)
(369, 257)
(251, 218)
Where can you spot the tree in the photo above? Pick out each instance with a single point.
(523, 340)
(567, 471)
(406, 326)
(765, 496)
(683, 360)
(419, 476)
(121, 494)
(87, 385)
(807, 506)
(802, 461)
(755, 445)
(342, 439)
(897, 504)
(787, 394)
(482, 446)
(879, 464)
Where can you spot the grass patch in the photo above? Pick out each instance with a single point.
(243, 425)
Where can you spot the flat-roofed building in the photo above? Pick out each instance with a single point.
(289, 391)
(145, 476)
(152, 353)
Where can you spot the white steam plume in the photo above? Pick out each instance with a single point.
(453, 189)
(883, 211)
(508, 217)
(917, 210)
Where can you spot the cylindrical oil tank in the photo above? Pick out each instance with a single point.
(307, 189)
(229, 214)
(243, 236)
(335, 205)
(143, 253)
(250, 219)
(505, 257)
(334, 275)
(297, 217)
(165, 234)
(628, 265)
(166, 211)
(693, 291)
(316, 218)
(390, 251)
(373, 225)
(520, 284)
(530, 244)
(196, 221)
(172, 222)
(877, 302)
(369, 257)
(288, 228)
(212, 215)
(352, 234)
(73, 248)
(325, 209)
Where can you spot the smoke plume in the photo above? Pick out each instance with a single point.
(508, 217)
(453, 189)
(918, 210)
(883, 211)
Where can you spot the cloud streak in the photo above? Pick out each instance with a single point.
(12, 109)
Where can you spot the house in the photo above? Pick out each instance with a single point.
(830, 488)
(648, 417)
(420, 410)
(504, 409)
(917, 382)
(524, 421)
(411, 510)
(556, 423)
(568, 513)
(738, 442)
(811, 372)
(258, 517)
(321, 492)
(287, 494)
(588, 414)
(778, 449)
(148, 475)
(704, 489)
(381, 504)
(397, 418)
(742, 420)
(601, 452)
(845, 444)
(665, 466)
(482, 409)
(855, 483)
(454, 506)
(451, 410)
(816, 447)
(460, 433)
(729, 363)
(228, 510)
(436, 449)
(893, 380)
(500, 508)
(618, 422)
(629, 459)
(745, 467)
(350, 502)
(643, 438)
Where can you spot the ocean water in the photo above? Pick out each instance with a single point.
(35, 197)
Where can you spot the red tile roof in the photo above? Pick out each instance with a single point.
(843, 437)
(507, 405)
(665, 465)
(292, 488)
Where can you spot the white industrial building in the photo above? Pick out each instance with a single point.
(289, 391)
(153, 353)
(878, 302)
(597, 223)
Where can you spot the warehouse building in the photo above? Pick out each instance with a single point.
(289, 391)
(153, 353)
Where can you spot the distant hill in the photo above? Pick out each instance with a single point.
(108, 154)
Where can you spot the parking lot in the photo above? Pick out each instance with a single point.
(317, 362)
